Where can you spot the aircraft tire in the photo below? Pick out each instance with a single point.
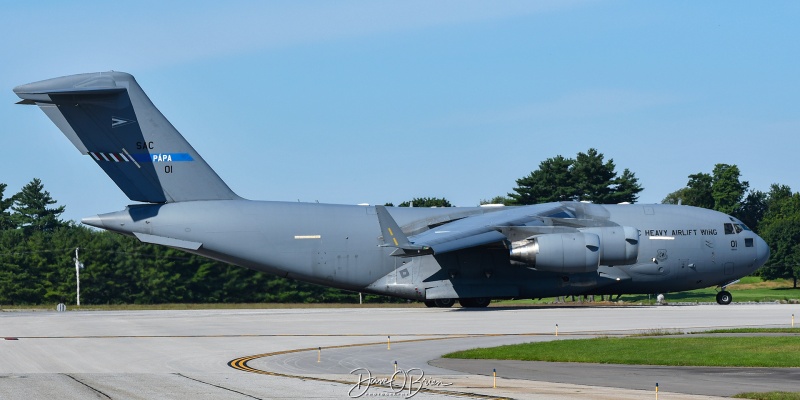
(444, 303)
(430, 303)
(475, 302)
(724, 297)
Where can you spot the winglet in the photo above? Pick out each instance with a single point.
(393, 236)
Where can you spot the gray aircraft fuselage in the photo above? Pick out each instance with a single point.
(681, 248)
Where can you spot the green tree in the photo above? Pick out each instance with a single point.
(700, 193)
(593, 178)
(780, 228)
(6, 221)
(676, 197)
(727, 189)
(31, 208)
(627, 188)
(14, 276)
(587, 177)
(553, 181)
(724, 191)
(776, 194)
(426, 202)
(697, 192)
(498, 200)
(752, 209)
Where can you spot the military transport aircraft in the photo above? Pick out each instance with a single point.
(437, 255)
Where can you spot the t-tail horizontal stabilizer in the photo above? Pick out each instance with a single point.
(393, 236)
(108, 117)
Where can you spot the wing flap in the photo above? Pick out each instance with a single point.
(517, 233)
(475, 240)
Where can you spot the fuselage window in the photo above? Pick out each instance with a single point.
(748, 242)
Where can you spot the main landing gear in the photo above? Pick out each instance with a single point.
(474, 302)
(440, 303)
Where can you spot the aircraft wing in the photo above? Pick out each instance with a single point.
(512, 224)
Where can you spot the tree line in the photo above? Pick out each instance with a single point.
(37, 247)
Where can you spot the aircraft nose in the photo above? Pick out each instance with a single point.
(762, 251)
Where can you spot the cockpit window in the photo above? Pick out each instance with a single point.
(729, 229)
(739, 225)
(561, 214)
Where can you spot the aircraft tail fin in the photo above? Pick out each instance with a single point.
(108, 117)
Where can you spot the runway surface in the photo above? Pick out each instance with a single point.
(310, 353)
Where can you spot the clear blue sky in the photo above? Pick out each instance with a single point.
(354, 102)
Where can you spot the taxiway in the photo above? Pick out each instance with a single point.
(310, 353)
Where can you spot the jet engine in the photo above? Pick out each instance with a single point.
(619, 245)
(582, 251)
(568, 253)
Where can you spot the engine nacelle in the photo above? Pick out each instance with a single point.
(619, 245)
(560, 252)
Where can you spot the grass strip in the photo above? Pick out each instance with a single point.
(795, 330)
(761, 351)
(206, 306)
(749, 289)
(769, 396)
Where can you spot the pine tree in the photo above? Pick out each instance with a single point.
(587, 177)
(31, 209)
(6, 221)
(627, 188)
(553, 181)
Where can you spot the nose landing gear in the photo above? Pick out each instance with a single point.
(724, 297)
